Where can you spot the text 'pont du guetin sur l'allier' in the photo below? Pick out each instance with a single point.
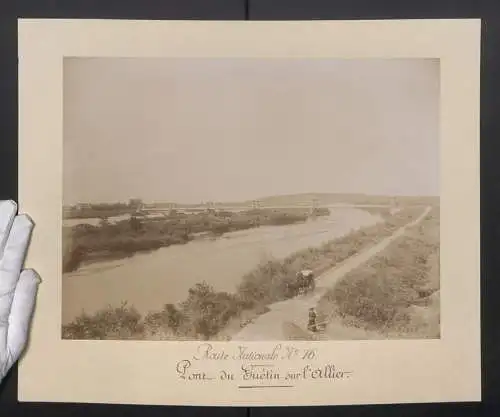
(283, 363)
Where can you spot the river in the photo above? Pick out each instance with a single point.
(150, 280)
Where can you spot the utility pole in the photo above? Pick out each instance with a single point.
(210, 206)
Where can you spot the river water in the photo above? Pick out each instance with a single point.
(148, 281)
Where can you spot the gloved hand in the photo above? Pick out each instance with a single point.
(18, 288)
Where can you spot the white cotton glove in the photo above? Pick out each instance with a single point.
(18, 288)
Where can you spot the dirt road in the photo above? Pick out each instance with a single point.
(291, 314)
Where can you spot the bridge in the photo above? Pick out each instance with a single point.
(255, 205)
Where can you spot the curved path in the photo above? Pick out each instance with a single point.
(292, 313)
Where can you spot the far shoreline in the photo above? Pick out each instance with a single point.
(86, 243)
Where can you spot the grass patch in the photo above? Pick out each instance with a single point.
(393, 292)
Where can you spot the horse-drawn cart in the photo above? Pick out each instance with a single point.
(305, 281)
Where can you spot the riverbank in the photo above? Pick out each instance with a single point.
(208, 314)
(87, 243)
(395, 295)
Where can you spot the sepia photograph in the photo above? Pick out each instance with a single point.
(255, 199)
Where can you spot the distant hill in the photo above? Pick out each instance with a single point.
(331, 198)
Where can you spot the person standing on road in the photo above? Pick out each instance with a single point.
(312, 320)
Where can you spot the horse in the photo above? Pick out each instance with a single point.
(305, 281)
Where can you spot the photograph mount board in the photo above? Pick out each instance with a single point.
(231, 211)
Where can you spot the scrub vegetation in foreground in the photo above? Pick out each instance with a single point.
(207, 314)
(395, 294)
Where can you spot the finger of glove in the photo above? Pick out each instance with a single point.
(21, 314)
(12, 260)
(8, 210)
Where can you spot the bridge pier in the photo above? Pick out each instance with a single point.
(314, 206)
(256, 204)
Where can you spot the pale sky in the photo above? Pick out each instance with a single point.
(191, 130)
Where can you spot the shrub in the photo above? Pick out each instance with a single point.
(168, 319)
(110, 323)
(207, 311)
